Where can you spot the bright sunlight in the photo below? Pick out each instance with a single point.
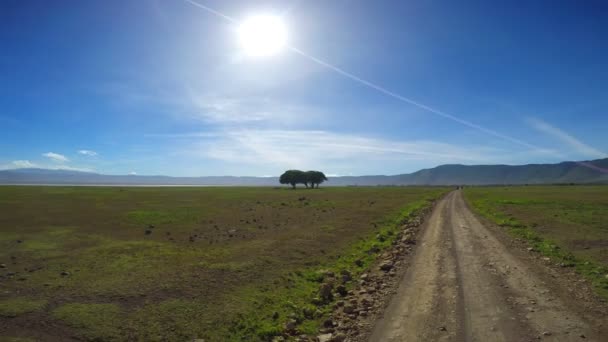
(262, 35)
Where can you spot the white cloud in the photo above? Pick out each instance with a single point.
(70, 168)
(132, 173)
(306, 149)
(56, 157)
(20, 164)
(230, 110)
(566, 138)
(87, 153)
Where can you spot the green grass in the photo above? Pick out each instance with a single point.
(16, 339)
(218, 263)
(95, 322)
(14, 307)
(296, 298)
(564, 223)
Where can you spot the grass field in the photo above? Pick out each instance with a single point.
(566, 223)
(151, 264)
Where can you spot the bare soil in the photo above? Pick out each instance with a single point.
(468, 281)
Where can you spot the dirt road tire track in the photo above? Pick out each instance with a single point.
(464, 285)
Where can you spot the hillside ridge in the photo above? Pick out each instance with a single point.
(582, 172)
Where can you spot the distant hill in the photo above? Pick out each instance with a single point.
(565, 172)
(595, 171)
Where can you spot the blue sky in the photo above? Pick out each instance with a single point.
(163, 87)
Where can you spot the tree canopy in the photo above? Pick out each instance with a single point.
(315, 178)
(294, 177)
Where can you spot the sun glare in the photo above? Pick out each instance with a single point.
(262, 35)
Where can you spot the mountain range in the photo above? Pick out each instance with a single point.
(584, 172)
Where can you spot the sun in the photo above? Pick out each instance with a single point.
(262, 35)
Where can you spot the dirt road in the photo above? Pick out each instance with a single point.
(464, 285)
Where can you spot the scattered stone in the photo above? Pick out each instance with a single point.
(290, 326)
(349, 309)
(65, 273)
(442, 328)
(326, 330)
(346, 276)
(324, 338)
(338, 338)
(408, 239)
(546, 259)
(371, 290)
(275, 315)
(373, 250)
(530, 249)
(19, 241)
(546, 333)
(2, 265)
(308, 313)
(148, 231)
(386, 266)
(341, 289)
(325, 292)
(582, 336)
(328, 323)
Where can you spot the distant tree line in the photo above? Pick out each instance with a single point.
(310, 179)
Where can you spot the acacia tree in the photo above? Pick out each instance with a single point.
(302, 178)
(291, 177)
(315, 178)
(294, 177)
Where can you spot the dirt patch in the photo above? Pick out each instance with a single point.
(586, 244)
(565, 282)
(465, 284)
(355, 311)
